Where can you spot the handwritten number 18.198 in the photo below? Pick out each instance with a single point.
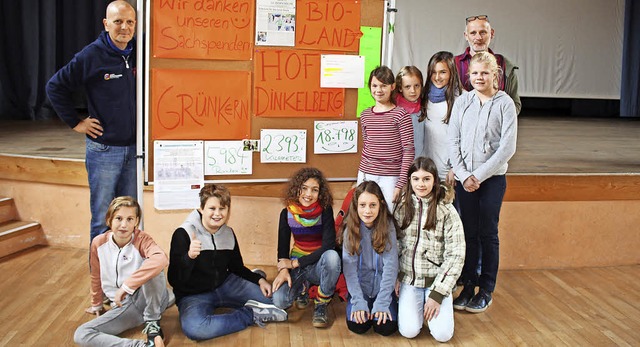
(342, 134)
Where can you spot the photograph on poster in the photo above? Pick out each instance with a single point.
(275, 22)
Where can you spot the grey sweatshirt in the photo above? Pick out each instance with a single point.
(370, 274)
(482, 138)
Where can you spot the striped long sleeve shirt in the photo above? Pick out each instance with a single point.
(388, 147)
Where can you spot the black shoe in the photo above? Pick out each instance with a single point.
(480, 302)
(461, 302)
(302, 300)
(298, 282)
(320, 317)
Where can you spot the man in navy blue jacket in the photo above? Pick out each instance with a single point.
(105, 70)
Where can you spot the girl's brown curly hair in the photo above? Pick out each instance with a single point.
(292, 193)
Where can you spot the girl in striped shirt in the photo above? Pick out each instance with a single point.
(387, 136)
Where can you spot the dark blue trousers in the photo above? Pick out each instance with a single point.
(480, 213)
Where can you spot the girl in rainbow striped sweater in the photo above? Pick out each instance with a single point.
(308, 217)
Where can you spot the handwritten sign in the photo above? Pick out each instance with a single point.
(335, 137)
(342, 71)
(190, 104)
(328, 24)
(283, 146)
(203, 29)
(227, 158)
(287, 84)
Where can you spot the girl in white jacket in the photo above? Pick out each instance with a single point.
(127, 268)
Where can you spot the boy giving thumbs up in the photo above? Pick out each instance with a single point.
(206, 271)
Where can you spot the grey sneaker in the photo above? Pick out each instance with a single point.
(152, 329)
(266, 312)
(320, 317)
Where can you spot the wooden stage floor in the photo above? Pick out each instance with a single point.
(546, 145)
(45, 290)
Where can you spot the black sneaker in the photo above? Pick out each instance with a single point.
(461, 302)
(152, 329)
(299, 283)
(480, 302)
(302, 300)
(320, 317)
(265, 312)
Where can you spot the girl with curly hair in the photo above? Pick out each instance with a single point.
(308, 217)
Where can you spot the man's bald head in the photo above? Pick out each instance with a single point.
(114, 6)
(120, 23)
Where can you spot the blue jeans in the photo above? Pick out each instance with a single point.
(324, 273)
(146, 304)
(196, 311)
(112, 173)
(384, 329)
(480, 216)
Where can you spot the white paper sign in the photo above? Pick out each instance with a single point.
(178, 174)
(227, 158)
(341, 71)
(275, 22)
(335, 137)
(283, 146)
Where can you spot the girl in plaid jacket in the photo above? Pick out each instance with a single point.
(431, 250)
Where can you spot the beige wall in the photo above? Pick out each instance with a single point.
(533, 235)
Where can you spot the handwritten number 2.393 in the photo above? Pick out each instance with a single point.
(281, 143)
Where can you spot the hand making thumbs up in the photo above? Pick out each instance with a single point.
(194, 247)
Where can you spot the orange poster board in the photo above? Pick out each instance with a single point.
(203, 29)
(287, 84)
(200, 105)
(328, 25)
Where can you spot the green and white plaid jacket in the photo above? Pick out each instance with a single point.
(431, 258)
